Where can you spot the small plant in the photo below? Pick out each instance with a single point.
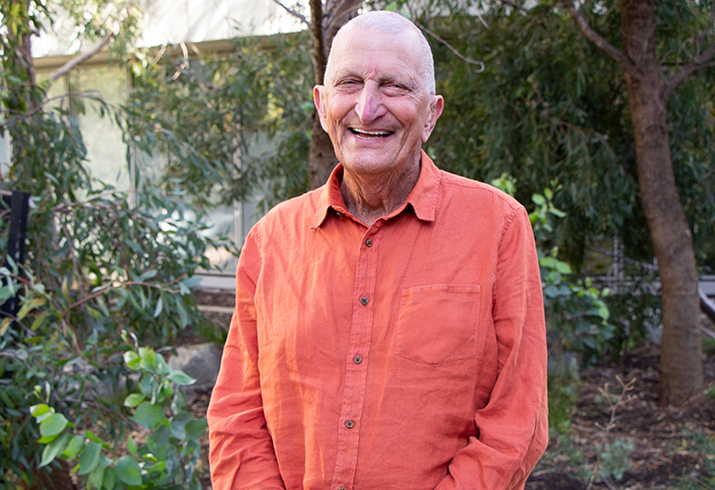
(563, 396)
(615, 458)
(165, 459)
(703, 446)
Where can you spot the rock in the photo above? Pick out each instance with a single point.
(201, 362)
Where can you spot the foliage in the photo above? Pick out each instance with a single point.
(564, 385)
(615, 458)
(167, 457)
(574, 307)
(551, 105)
(253, 106)
(703, 447)
(95, 266)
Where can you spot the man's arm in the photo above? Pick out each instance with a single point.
(513, 427)
(241, 449)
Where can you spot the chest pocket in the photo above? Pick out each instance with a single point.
(438, 324)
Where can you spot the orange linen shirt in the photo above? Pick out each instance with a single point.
(409, 355)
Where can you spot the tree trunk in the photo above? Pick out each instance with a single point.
(321, 156)
(681, 370)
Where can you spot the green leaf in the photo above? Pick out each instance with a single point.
(90, 457)
(40, 409)
(74, 446)
(158, 439)
(53, 449)
(53, 425)
(128, 471)
(110, 478)
(178, 424)
(148, 359)
(148, 415)
(132, 360)
(150, 274)
(196, 428)
(96, 477)
(28, 306)
(183, 316)
(563, 267)
(159, 307)
(131, 446)
(538, 199)
(181, 378)
(39, 320)
(133, 400)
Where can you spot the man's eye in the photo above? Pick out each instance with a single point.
(395, 89)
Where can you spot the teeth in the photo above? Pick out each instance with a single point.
(375, 134)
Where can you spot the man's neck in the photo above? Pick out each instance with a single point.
(372, 197)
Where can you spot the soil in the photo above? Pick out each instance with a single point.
(671, 448)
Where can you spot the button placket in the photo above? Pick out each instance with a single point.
(356, 368)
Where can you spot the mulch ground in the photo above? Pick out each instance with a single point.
(671, 448)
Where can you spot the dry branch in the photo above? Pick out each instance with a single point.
(698, 62)
(620, 57)
(295, 14)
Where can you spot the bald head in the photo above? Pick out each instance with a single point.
(388, 22)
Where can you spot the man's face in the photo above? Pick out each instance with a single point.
(374, 104)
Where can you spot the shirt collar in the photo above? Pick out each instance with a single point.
(423, 197)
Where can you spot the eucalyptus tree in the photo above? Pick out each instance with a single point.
(553, 105)
(650, 85)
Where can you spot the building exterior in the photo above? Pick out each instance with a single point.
(191, 25)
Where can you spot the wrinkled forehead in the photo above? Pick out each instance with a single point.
(365, 48)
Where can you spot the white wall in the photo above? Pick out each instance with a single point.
(177, 21)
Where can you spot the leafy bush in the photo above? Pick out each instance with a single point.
(574, 307)
(97, 264)
(166, 459)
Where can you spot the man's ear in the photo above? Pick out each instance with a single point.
(436, 107)
(319, 101)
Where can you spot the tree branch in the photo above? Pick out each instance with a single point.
(295, 14)
(620, 57)
(696, 64)
(316, 15)
(78, 60)
(451, 48)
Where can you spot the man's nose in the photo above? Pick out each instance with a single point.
(369, 105)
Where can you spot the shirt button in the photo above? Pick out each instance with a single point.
(357, 359)
(342, 488)
(349, 424)
(364, 301)
(368, 242)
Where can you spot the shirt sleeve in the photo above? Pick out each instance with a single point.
(512, 429)
(241, 453)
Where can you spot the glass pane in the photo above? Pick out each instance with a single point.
(106, 152)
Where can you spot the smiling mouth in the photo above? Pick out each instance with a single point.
(370, 135)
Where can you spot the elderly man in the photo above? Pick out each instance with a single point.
(389, 327)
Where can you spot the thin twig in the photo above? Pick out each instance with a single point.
(642, 265)
(452, 48)
(295, 14)
(696, 64)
